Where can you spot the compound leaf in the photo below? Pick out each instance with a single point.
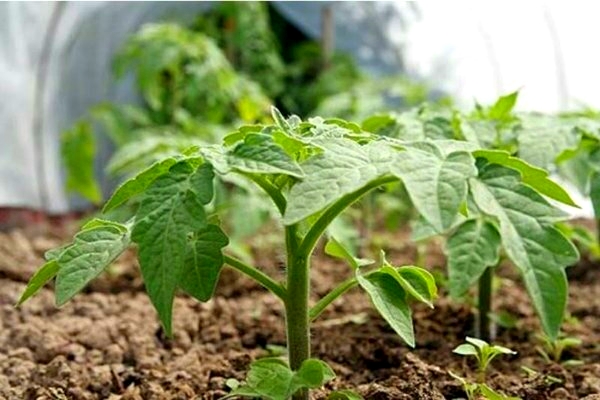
(537, 249)
(169, 215)
(471, 248)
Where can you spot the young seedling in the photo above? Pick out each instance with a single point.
(552, 350)
(483, 352)
(312, 171)
(477, 390)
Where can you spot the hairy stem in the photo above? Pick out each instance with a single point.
(484, 328)
(296, 306)
(259, 276)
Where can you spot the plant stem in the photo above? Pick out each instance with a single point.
(322, 304)
(259, 276)
(485, 305)
(318, 228)
(296, 306)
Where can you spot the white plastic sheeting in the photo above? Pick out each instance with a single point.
(77, 75)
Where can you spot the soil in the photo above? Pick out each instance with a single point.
(107, 343)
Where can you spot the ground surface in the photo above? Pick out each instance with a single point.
(107, 344)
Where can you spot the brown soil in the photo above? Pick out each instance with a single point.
(107, 344)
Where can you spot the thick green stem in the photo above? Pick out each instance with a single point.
(484, 328)
(259, 276)
(296, 306)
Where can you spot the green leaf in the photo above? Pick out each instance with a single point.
(53, 254)
(312, 374)
(542, 139)
(537, 249)
(78, 149)
(343, 167)
(421, 229)
(376, 123)
(504, 105)
(419, 283)
(236, 136)
(471, 249)
(271, 378)
(39, 279)
(436, 184)
(416, 281)
(280, 121)
(92, 251)
(389, 299)
(491, 394)
(466, 349)
(259, 154)
(344, 395)
(170, 214)
(204, 262)
(268, 378)
(535, 177)
(138, 183)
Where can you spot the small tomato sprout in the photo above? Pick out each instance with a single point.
(483, 352)
(477, 390)
(553, 350)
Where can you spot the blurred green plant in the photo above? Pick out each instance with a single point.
(483, 352)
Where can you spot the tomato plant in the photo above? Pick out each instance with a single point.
(313, 171)
(505, 212)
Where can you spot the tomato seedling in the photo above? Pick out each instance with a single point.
(505, 208)
(483, 352)
(312, 171)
